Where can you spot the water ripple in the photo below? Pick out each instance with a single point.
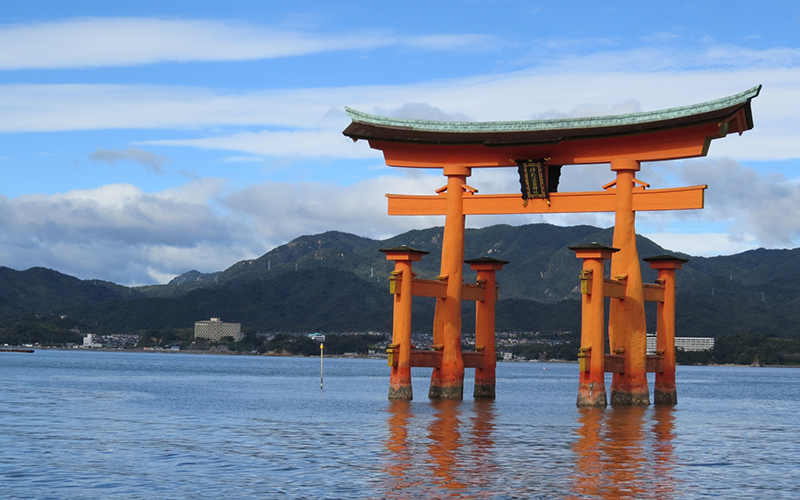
(123, 425)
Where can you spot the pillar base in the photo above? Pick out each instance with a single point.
(587, 397)
(402, 392)
(626, 398)
(665, 397)
(455, 392)
(483, 391)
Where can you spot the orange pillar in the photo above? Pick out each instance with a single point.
(484, 325)
(447, 381)
(665, 391)
(592, 385)
(626, 324)
(400, 379)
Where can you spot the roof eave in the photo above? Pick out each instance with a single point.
(500, 134)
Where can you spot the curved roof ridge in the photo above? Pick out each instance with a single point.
(555, 124)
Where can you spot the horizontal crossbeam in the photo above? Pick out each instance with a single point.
(433, 359)
(684, 198)
(615, 363)
(615, 289)
(653, 292)
(437, 289)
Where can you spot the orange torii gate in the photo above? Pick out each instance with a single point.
(539, 149)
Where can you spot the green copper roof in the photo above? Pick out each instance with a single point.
(556, 124)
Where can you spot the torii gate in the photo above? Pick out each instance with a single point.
(538, 149)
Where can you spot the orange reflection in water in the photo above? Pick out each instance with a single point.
(664, 451)
(483, 449)
(457, 459)
(443, 453)
(624, 452)
(400, 459)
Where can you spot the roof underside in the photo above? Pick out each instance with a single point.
(733, 110)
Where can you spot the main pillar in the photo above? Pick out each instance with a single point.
(626, 324)
(484, 325)
(447, 381)
(665, 391)
(400, 378)
(592, 385)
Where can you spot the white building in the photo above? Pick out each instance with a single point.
(215, 330)
(684, 343)
(89, 341)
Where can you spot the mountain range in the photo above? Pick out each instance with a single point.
(338, 282)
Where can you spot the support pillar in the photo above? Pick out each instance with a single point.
(627, 326)
(447, 381)
(484, 325)
(592, 385)
(400, 379)
(665, 391)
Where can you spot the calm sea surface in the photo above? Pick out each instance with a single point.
(147, 425)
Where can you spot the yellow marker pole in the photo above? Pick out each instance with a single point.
(320, 365)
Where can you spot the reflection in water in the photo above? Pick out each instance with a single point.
(443, 451)
(664, 451)
(457, 449)
(618, 457)
(483, 448)
(589, 461)
(397, 448)
(458, 459)
(624, 453)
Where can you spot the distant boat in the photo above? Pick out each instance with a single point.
(15, 349)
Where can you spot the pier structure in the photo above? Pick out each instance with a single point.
(540, 150)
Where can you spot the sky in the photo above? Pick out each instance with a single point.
(140, 140)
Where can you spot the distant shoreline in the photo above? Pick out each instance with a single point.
(330, 356)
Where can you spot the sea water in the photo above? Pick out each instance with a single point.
(78, 424)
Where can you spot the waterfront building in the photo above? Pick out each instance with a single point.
(91, 340)
(215, 329)
(684, 343)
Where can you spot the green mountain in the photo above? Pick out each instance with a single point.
(337, 282)
(541, 266)
(40, 290)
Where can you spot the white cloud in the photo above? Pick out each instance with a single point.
(744, 207)
(120, 213)
(593, 109)
(117, 231)
(702, 244)
(151, 161)
(120, 233)
(757, 206)
(283, 211)
(300, 115)
(329, 143)
(69, 107)
(243, 159)
(423, 111)
(127, 41)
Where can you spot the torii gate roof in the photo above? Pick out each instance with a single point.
(682, 132)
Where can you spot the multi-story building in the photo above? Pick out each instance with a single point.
(684, 343)
(215, 330)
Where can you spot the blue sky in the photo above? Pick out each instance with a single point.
(140, 140)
